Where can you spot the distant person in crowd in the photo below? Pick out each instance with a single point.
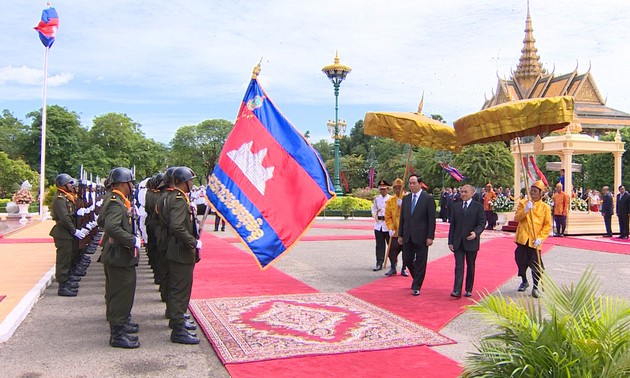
(444, 199)
(417, 231)
(607, 210)
(623, 209)
(561, 179)
(218, 221)
(65, 234)
(381, 232)
(488, 205)
(561, 205)
(467, 223)
(120, 257)
(594, 200)
(392, 219)
(534, 225)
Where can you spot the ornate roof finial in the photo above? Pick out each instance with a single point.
(529, 67)
(256, 70)
(421, 104)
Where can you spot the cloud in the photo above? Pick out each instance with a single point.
(31, 77)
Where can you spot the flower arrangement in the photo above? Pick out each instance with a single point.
(23, 197)
(578, 204)
(503, 204)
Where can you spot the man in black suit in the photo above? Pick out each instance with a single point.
(623, 209)
(467, 223)
(417, 231)
(607, 210)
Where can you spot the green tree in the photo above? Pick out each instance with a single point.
(199, 146)
(65, 141)
(483, 163)
(12, 173)
(570, 331)
(13, 134)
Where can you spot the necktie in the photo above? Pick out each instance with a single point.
(414, 199)
(465, 206)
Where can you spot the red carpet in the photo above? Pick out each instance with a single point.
(226, 271)
(611, 245)
(321, 238)
(435, 308)
(25, 240)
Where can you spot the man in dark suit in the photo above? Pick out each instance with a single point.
(417, 231)
(467, 223)
(607, 210)
(623, 209)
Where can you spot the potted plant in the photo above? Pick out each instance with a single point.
(23, 198)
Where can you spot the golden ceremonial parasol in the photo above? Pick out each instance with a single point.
(412, 128)
(516, 119)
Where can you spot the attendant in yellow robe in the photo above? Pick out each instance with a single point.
(536, 213)
(392, 219)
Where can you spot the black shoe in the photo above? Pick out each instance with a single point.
(378, 267)
(468, 294)
(216, 230)
(523, 286)
(415, 293)
(535, 293)
(72, 285)
(180, 335)
(391, 272)
(456, 294)
(608, 236)
(120, 339)
(131, 327)
(223, 229)
(404, 273)
(72, 278)
(65, 291)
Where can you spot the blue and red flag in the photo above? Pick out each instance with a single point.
(269, 182)
(454, 172)
(47, 27)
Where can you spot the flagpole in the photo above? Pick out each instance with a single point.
(42, 161)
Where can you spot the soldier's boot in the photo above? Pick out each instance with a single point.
(131, 327)
(72, 278)
(187, 323)
(180, 335)
(66, 291)
(72, 285)
(120, 339)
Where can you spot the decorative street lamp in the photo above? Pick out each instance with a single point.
(336, 72)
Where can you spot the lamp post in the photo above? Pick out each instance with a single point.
(336, 72)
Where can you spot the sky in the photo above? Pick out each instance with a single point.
(169, 64)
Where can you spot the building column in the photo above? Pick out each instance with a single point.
(617, 175)
(567, 165)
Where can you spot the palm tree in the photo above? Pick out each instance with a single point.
(570, 332)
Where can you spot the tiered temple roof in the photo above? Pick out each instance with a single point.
(531, 80)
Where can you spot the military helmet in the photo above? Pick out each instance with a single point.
(120, 174)
(63, 178)
(167, 178)
(183, 174)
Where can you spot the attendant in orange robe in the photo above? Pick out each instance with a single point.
(561, 204)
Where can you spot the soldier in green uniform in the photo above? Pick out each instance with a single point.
(181, 256)
(119, 258)
(65, 235)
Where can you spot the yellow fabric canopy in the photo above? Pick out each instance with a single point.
(515, 119)
(411, 128)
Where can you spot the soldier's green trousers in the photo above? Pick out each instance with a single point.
(120, 289)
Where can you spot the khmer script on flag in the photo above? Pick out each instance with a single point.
(269, 182)
(47, 27)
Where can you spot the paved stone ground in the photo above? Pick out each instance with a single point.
(69, 336)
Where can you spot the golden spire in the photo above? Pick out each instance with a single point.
(421, 104)
(529, 67)
(256, 70)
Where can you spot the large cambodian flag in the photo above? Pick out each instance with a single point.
(47, 27)
(269, 182)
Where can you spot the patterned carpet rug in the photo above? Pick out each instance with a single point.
(245, 329)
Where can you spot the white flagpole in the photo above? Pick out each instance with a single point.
(42, 162)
